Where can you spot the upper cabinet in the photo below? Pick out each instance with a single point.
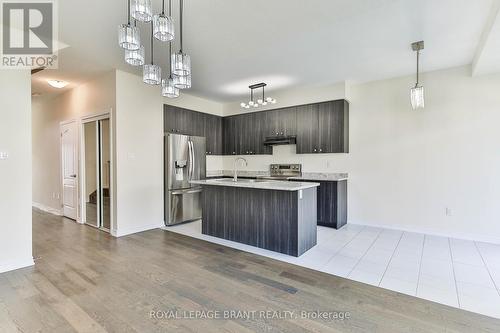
(281, 122)
(319, 128)
(187, 122)
(323, 128)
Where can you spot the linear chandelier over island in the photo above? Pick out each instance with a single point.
(163, 30)
(261, 101)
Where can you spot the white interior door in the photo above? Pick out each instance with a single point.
(69, 154)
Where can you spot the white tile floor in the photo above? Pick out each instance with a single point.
(459, 273)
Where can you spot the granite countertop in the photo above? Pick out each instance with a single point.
(324, 177)
(305, 176)
(259, 184)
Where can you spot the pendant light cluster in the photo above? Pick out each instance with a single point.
(163, 30)
(417, 92)
(261, 101)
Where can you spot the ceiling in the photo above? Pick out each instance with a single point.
(286, 43)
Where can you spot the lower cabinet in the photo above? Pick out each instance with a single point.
(332, 203)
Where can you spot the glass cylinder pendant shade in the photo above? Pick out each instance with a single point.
(417, 98)
(163, 28)
(151, 74)
(141, 10)
(182, 82)
(135, 57)
(181, 64)
(168, 89)
(129, 37)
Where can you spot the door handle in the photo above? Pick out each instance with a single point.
(72, 176)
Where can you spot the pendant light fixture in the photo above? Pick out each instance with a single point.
(181, 62)
(182, 82)
(417, 92)
(135, 57)
(261, 101)
(128, 35)
(142, 10)
(163, 26)
(152, 72)
(168, 88)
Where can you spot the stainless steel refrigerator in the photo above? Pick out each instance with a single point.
(185, 160)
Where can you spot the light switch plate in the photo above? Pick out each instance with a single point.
(4, 155)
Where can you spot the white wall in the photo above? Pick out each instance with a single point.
(139, 151)
(406, 167)
(15, 172)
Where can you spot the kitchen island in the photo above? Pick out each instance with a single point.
(274, 215)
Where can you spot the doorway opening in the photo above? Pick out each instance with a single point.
(96, 172)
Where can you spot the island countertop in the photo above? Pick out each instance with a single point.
(258, 184)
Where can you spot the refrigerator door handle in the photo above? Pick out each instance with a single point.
(191, 160)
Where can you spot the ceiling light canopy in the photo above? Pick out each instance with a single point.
(57, 83)
(261, 101)
(417, 92)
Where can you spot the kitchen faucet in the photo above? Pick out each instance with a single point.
(235, 178)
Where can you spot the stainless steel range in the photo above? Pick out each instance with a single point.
(283, 171)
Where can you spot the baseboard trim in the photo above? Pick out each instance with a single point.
(47, 209)
(457, 235)
(134, 230)
(16, 264)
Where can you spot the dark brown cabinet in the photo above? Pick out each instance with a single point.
(187, 122)
(213, 132)
(331, 203)
(319, 128)
(281, 122)
(323, 128)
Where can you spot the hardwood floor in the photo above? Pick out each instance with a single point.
(87, 281)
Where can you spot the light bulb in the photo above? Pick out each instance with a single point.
(260, 101)
(243, 105)
(251, 103)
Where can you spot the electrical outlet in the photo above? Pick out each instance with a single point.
(4, 155)
(448, 212)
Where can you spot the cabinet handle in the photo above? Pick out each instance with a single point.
(321, 150)
(234, 153)
(315, 150)
(281, 133)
